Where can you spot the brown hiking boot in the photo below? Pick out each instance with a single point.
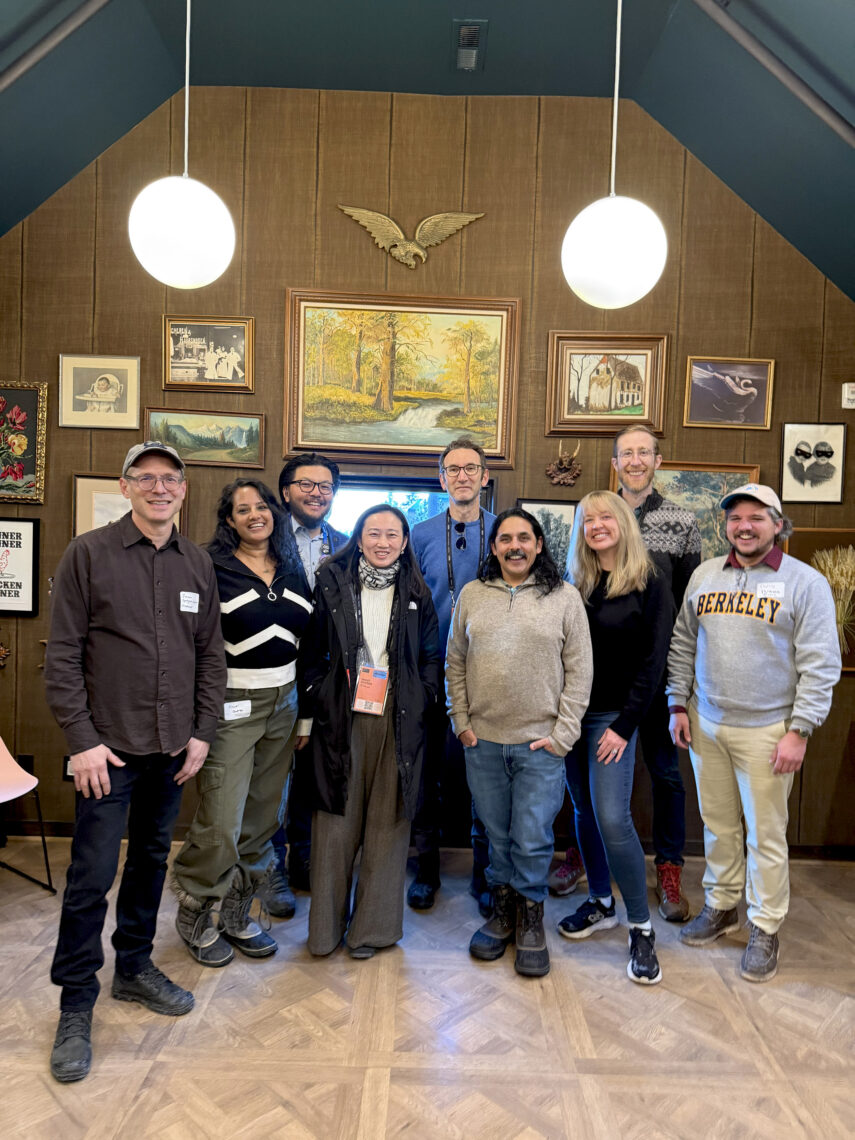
(673, 904)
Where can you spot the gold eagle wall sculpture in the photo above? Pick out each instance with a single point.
(389, 235)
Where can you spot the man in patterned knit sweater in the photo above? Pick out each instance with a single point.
(672, 536)
(753, 661)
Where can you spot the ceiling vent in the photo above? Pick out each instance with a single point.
(469, 44)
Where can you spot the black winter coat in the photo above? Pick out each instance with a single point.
(328, 650)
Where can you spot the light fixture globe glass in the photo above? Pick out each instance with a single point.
(614, 252)
(181, 232)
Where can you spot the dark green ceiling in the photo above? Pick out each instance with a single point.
(75, 75)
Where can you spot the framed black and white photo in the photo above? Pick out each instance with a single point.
(99, 391)
(208, 354)
(556, 519)
(812, 463)
(19, 567)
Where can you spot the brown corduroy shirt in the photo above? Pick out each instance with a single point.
(135, 658)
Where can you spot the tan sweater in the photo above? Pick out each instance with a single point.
(519, 664)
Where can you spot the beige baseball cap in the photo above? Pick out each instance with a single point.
(758, 491)
(153, 447)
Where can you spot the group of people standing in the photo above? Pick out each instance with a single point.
(372, 661)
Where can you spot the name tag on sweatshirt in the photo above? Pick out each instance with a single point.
(771, 590)
(236, 710)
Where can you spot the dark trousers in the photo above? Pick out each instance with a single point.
(444, 786)
(295, 830)
(669, 795)
(144, 795)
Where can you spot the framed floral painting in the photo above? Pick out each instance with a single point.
(23, 430)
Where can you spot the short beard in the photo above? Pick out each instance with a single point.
(306, 520)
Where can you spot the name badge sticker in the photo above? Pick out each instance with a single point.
(371, 688)
(771, 590)
(189, 602)
(236, 710)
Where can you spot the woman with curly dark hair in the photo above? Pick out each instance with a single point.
(228, 850)
(369, 670)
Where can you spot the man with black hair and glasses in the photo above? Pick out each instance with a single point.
(450, 548)
(307, 487)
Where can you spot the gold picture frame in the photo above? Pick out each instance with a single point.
(208, 354)
(729, 392)
(23, 437)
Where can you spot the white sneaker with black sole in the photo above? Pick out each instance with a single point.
(591, 917)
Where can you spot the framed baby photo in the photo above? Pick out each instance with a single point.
(99, 391)
(208, 354)
(812, 463)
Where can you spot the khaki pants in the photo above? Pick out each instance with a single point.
(736, 780)
(240, 792)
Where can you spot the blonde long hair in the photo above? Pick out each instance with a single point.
(633, 565)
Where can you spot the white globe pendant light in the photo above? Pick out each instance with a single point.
(181, 231)
(614, 250)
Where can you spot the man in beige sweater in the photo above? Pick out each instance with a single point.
(518, 678)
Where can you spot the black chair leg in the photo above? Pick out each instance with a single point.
(48, 886)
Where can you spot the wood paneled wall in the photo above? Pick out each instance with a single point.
(282, 160)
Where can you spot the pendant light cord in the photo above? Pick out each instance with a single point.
(614, 97)
(187, 93)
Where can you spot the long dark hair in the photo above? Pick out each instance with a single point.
(348, 555)
(225, 539)
(546, 574)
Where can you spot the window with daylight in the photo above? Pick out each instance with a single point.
(418, 498)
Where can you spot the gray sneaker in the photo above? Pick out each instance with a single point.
(709, 925)
(760, 960)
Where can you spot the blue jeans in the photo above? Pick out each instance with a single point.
(144, 795)
(607, 836)
(517, 793)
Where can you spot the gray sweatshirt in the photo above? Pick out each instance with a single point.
(519, 664)
(754, 646)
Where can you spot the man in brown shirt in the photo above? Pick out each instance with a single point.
(135, 675)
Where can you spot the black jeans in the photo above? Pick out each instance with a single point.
(669, 795)
(444, 786)
(144, 795)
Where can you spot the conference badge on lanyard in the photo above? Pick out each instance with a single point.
(372, 685)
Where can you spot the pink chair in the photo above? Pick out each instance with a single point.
(15, 782)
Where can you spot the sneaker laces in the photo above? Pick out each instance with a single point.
(276, 880)
(150, 973)
(669, 876)
(235, 911)
(202, 926)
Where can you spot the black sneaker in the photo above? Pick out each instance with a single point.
(151, 988)
(590, 917)
(71, 1056)
(643, 966)
(421, 895)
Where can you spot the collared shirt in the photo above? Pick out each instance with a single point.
(135, 658)
(772, 559)
(311, 550)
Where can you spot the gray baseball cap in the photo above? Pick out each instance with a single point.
(151, 447)
(758, 491)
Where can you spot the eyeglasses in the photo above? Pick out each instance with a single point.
(149, 482)
(469, 468)
(823, 452)
(461, 533)
(642, 453)
(308, 485)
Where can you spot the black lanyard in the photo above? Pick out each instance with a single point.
(448, 549)
(357, 599)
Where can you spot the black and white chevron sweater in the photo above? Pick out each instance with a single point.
(262, 625)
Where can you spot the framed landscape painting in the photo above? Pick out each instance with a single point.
(597, 382)
(700, 487)
(399, 377)
(556, 518)
(209, 354)
(23, 432)
(99, 391)
(727, 393)
(209, 439)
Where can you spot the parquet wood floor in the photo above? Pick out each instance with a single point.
(422, 1043)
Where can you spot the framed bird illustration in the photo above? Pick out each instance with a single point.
(389, 236)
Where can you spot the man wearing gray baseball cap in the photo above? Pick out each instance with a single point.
(753, 661)
(135, 675)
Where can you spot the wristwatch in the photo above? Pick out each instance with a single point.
(804, 733)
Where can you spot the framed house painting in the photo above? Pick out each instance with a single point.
(209, 354)
(398, 377)
(23, 432)
(700, 487)
(99, 391)
(812, 463)
(597, 382)
(728, 393)
(19, 567)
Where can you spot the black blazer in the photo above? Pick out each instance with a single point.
(327, 665)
